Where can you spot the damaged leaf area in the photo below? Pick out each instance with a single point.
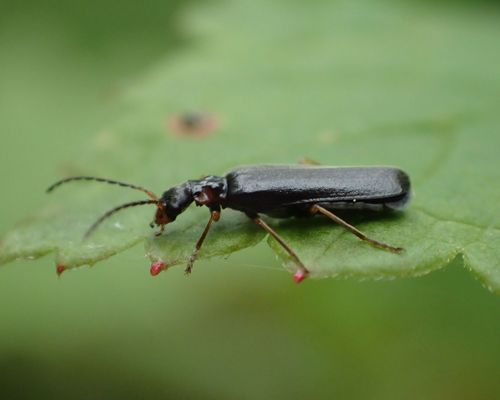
(350, 85)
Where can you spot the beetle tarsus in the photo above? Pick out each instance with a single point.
(191, 261)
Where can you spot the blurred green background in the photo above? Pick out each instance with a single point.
(237, 328)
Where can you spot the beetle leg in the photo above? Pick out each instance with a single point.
(259, 221)
(162, 229)
(214, 216)
(318, 209)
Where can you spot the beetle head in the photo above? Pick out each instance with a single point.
(172, 203)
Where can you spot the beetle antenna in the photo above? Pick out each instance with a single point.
(150, 194)
(113, 211)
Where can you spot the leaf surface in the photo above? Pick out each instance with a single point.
(341, 83)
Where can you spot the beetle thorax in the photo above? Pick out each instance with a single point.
(209, 191)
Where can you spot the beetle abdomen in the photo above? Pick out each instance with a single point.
(289, 190)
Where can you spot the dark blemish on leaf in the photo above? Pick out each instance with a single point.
(195, 124)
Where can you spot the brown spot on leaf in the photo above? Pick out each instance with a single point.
(195, 124)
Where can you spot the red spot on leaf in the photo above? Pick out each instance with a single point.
(157, 267)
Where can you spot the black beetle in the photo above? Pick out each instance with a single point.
(280, 191)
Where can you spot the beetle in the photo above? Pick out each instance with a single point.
(279, 191)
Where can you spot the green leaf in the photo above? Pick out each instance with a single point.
(340, 82)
